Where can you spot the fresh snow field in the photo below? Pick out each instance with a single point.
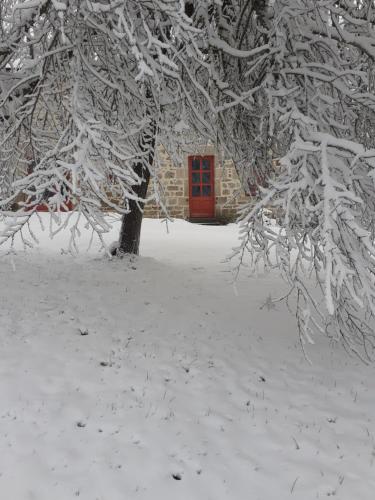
(155, 378)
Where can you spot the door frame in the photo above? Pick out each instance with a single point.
(212, 197)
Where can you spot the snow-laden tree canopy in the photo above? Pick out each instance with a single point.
(319, 89)
(89, 88)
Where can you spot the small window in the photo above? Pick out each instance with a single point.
(206, 190)
(206, 177)
(196, 190)
(196, 164)
(205, 164)
(196, 177)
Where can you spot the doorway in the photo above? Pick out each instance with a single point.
(201, 187)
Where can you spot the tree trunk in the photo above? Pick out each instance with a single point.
(130, 232)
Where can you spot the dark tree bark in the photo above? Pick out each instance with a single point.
(131, 224)
(130, 232)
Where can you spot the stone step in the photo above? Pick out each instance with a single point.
(208, 222)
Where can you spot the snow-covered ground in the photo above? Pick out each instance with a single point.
(156, 379)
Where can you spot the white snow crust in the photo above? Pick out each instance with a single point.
(154, 378)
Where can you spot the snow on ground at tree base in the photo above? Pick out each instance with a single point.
(154, 378)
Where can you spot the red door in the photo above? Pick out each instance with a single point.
(201, 186)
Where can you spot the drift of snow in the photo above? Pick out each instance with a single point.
(150, 378)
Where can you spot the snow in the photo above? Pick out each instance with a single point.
(118, 375)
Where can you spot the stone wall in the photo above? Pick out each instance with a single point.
(228, 191)
(173, 189)
(174, 183)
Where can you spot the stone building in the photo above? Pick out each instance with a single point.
(202, 188)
